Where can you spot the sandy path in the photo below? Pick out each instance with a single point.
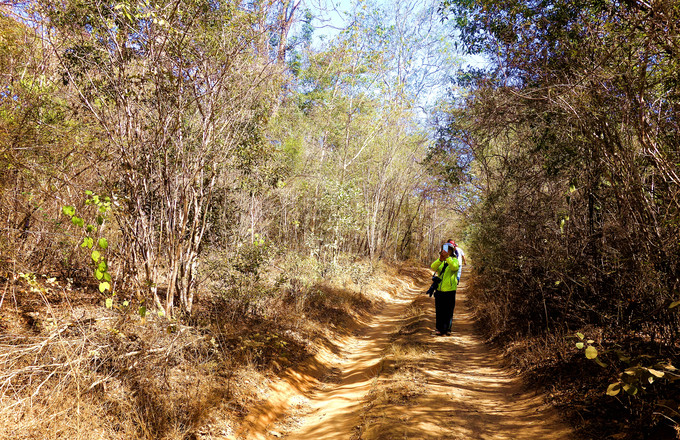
(469, 395)
(334, 411)
(465, 394)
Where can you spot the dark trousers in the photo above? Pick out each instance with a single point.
(444, 303)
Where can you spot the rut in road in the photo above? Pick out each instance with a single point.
(465, 392)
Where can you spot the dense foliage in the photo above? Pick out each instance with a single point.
(168, 152)
(574, 135)
(181, 182)
(205, 126)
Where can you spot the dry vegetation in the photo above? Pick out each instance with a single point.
(577, 385)
(576, 159)
(72, 368)
(172, 230)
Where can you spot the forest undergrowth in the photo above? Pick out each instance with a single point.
(573, 133)
(72, 368)
(576, 385)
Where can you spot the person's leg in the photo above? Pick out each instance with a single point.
(460, 271)
(453, 307)
(448, 312)
(440, 312)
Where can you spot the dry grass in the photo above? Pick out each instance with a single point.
(85, 372)
(70, 368)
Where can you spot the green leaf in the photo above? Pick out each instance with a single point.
(95, 256)
(126, 303)
(109, 302)
(107, 277)
(591, 352)
(630, 389)
(98, 274)
(599, 362)
(102, 265)
(88, 193)
(100, 220)
(103, 286)
(674, 304)
(103, 243)
(90, 228)
(77, 221)
(579, 345)
(69, 210)
(580, 335)
(614, 389)
(142, 311)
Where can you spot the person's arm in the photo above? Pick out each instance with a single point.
(443, 256)
(453, 264)
(464, 261)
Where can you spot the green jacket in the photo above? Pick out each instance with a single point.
(449, 279)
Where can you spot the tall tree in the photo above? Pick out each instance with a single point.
(360, 105)
(576, 163)
(180, 89)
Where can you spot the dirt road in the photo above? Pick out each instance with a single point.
(457, 389)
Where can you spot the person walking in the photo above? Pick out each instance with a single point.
(446, 268)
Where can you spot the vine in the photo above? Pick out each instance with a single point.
(95, 240)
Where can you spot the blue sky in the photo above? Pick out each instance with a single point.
(331, 16)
